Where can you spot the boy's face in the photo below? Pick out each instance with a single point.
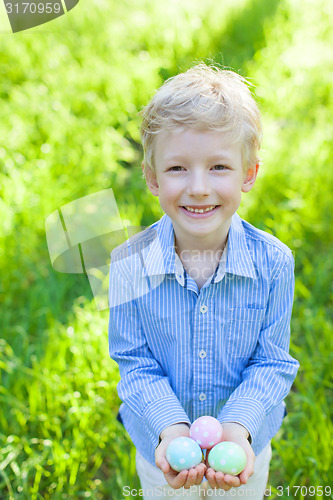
(197, 170)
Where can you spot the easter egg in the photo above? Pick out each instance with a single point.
(206, 431)
(183, 453)
(227, 457)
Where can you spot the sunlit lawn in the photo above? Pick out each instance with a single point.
(69, 125)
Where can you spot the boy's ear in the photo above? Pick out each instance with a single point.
(151, 180)
(250, 178)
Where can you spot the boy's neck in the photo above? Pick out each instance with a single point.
(200, 264)
(200, 253)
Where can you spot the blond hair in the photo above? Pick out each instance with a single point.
(206, 98)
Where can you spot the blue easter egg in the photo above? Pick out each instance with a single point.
(183, 453)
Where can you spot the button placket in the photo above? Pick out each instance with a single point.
(202, 322)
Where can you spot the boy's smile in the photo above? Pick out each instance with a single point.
(199, 179)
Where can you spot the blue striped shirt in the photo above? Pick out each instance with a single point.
(184, 352)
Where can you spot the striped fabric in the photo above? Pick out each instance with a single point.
(184, 352)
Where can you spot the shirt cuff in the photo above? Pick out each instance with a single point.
(245, 411)
(162, 413)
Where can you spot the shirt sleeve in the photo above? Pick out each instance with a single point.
(143, 386)
(270, 372)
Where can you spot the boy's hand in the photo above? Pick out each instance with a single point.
(186, 478)
(237, 434)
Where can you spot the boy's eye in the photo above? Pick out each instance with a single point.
(175, 169)
(221, 167)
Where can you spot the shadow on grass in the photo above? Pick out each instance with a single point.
(35, 295)
(244, 34)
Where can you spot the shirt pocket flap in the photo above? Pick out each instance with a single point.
(243, 331)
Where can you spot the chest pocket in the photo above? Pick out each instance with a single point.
(243, 331)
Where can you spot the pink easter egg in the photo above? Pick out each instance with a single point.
(206, 431)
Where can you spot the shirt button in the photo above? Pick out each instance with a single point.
(202, 354)
(202, 396)
(203, 309)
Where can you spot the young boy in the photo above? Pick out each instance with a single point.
(200, 302)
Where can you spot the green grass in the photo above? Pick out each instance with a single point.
(59, 436)
(70, 96)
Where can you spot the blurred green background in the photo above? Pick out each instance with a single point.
(71, 91)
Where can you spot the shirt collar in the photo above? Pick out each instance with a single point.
(161, 257)
(239, 260)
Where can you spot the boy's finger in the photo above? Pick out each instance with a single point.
(201, 477)
(201, 468)
(191, 478)
(219, 479)
(165, 468)
(246, 473)
(210, 476)
(232, 481)
(199, 480)
(163, 464)
(201, 472)
(244, 477)
(176, 480)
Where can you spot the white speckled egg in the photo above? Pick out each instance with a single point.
(227, 457)
(206, 431)
(183, 453)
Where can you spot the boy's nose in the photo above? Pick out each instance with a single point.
(198, 185)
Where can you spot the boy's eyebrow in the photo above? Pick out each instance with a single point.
(215, 157)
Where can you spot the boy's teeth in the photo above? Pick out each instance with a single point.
(200, 210)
